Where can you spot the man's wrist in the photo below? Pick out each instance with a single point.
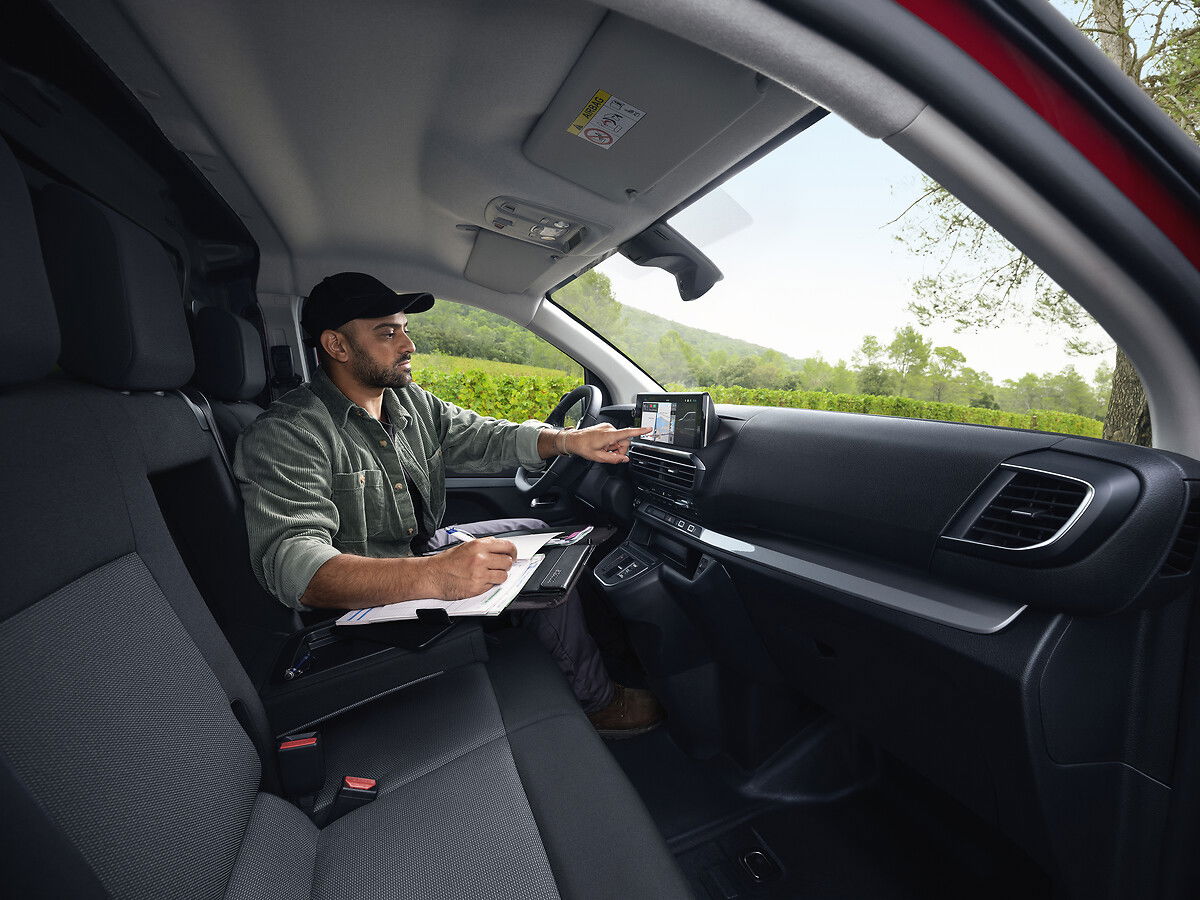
(562, 441)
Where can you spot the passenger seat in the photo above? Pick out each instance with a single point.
(229, 370)
(136, 760)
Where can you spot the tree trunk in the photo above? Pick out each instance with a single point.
(1113, 34)
(1128, 418)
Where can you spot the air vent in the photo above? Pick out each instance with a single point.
(669, 468)
(1032, 509)
(1182, 555)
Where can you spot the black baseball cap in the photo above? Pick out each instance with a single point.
(336, 300)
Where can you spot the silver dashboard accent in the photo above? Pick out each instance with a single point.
(1087, 501)
(725, 542)
(967, 612)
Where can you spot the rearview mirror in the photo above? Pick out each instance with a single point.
(662, 247)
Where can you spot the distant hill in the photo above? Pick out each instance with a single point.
(455, 329)
(647, 338)
(645, 330)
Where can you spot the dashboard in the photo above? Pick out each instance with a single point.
(1003, 611)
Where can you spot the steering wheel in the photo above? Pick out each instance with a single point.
(577, 409)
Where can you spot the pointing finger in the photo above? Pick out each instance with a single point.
(624, 434)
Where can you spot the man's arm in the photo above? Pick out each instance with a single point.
(355, 582)
(286, 479)
(600, 443)
(474, 443)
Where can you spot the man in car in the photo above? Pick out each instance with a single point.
(344, 486)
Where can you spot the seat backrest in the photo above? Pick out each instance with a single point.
(130, 333)
(229, 370)
(126, 760)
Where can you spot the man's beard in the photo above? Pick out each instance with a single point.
(375, 376)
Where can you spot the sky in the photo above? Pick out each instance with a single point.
(811, 264)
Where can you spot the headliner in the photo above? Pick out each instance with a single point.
(362, 138)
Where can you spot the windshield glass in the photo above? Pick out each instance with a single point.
(854, 283)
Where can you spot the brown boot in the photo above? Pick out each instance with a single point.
(632, 711)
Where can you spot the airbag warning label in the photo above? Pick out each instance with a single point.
(605, 120)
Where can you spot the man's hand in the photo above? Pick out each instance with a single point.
(471, 568)
(603, 443)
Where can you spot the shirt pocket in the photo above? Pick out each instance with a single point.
(359, 498)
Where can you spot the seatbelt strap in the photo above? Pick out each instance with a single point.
(202, 410)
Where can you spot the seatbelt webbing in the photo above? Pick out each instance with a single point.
(202, 410)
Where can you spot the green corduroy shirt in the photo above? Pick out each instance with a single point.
(321, 476)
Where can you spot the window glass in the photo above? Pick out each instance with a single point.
(854, 283)
(482, 361)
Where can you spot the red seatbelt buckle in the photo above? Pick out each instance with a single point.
(355, 791)
(301, 764)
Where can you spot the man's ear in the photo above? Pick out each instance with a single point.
(334, 345)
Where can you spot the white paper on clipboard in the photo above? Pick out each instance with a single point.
(489, 603)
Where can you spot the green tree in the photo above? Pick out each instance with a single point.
(873, 378)
(977, 385)
(816, 374)
(983, 280)
(909, 355)
(946, 364)
(1068, 391)
(1102, 383)
(869, 352)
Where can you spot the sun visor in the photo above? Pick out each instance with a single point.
(637, 104)
(507, 265)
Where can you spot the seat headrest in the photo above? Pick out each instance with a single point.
(229, 360)
(119, 305)
(28, 327)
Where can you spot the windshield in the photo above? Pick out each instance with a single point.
(853, 282)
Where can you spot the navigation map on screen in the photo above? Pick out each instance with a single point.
(674, 422)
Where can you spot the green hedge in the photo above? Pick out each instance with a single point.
(1038, 419)
(519, 397)
(513, 397)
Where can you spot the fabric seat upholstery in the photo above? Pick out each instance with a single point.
(229, 370)
(134, 752)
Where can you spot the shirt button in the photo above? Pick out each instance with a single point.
(383, 443)
(399, 485)
(410, 531)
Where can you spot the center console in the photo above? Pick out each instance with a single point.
(683, 616)
(666, 471)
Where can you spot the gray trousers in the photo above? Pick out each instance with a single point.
(562, 630)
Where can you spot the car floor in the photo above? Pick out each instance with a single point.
(895, 839)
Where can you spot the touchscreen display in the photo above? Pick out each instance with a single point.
(677, 420)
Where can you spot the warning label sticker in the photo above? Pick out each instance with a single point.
(605, 120)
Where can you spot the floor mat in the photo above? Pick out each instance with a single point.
(902, 842)
(687, 799)
(858, 849)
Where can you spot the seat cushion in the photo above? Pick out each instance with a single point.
(485, 747)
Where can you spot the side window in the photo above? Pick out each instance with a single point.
(482, 361)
